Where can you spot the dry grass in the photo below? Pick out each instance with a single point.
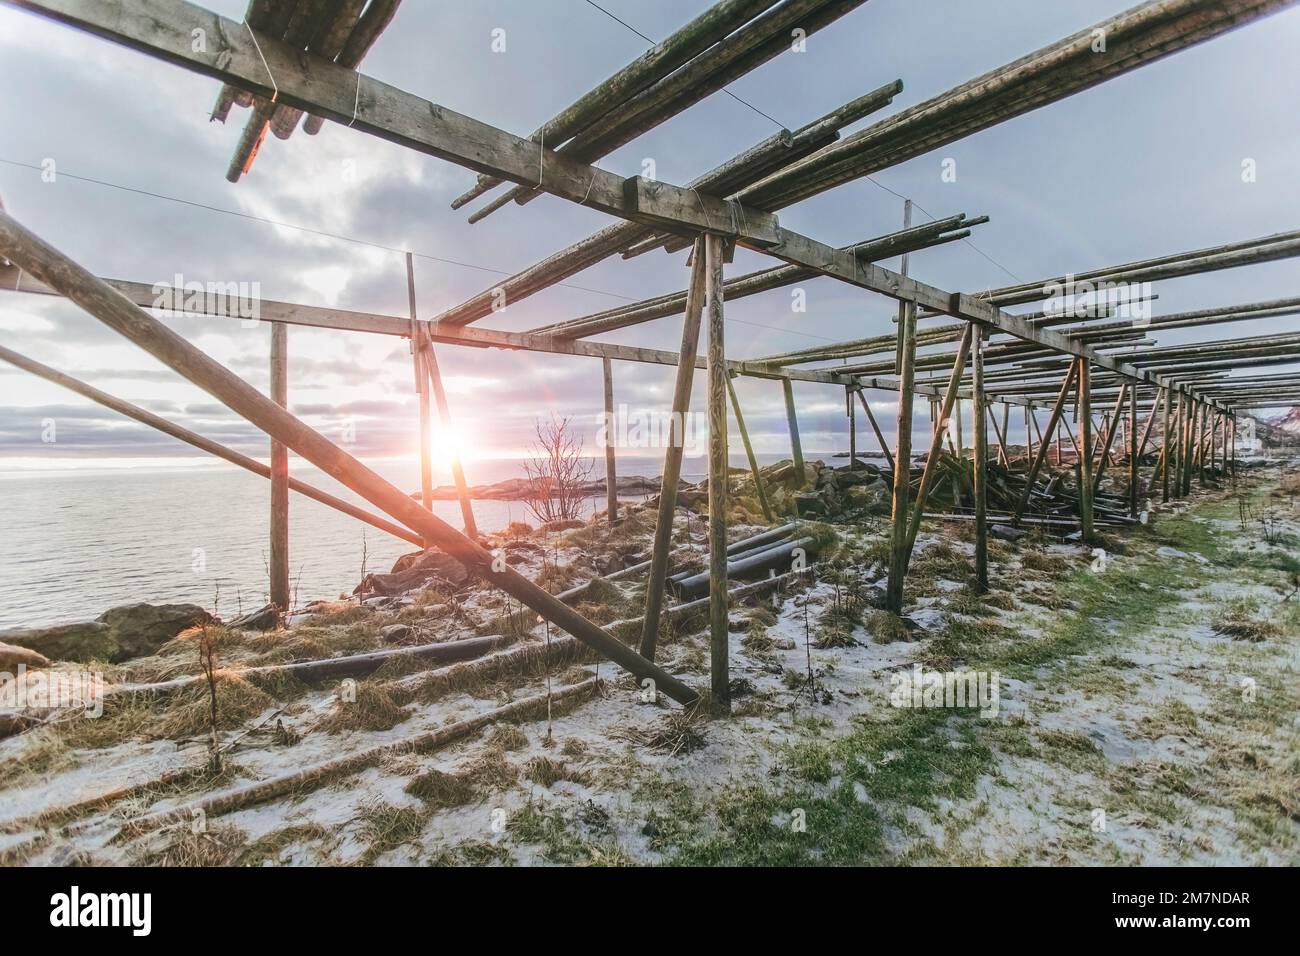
(385, 827)
(269, 848)
(886, 627)
(1052, 564)
(373, 709)
(219, 846)
(507, 737)
(182, 714)
(678, 732)
(548, 771)
(438, 789)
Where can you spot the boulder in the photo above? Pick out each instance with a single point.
(119, 634)
(11, 656)
(85, 641)
(809, 503)
(140, 629)
(263, 619)
(396, 633)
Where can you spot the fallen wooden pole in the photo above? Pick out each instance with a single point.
(59, 272)
(204, 444)
(311, 777)
(329, 668)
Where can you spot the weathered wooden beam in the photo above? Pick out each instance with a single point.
(980, 462)
(932, 459)
(1085, 450)
(749, 453)
(278, 562)
(654, 589)
(1044, 445)
(421, 393)
(719, 633)
(444, 415)
(875, 427)
(792, 421)
(611, 467)
(1133, 452)
(902, 471)
(55, 269)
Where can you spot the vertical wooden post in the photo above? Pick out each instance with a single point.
(875, 427)
(1029, 435)
(853, 425)
(1164, 452)
(1133, 450)
(611, 468)
(979, 420)
(932, 458)
(444, 414)
(279, 551)
(654, 594)
(1085, 448)
(749, 452)
(956, 430)
(1044, 443)
(1004, 436)
(719, 635)
(905, 366)
(795, 447)
(421, 390)
(1233, 463)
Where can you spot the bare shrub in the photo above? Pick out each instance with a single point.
(557, 471)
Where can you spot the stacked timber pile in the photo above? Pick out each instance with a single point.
(342, 31)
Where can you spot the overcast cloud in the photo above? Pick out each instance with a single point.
(1142, 166)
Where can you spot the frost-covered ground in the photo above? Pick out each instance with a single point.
(1146, 714)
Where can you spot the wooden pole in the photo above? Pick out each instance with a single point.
(1112, 429)
(853, 425)
(932, 459)
(444, 414)
(905, 367)
(56, 270)
(1133, 451)
(204, 444)
(719, 635)
(979, 420)
(611, 467)
(1164, 451)
(999, 434)
(749, 452)
(654, 594)
(279, 550)
(1029, 435)
(956, 432)
(1045, 443)
(875, 427)
(1085, 450)
(796, 448)
(421, 391)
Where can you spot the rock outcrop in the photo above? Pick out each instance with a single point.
(119, 634)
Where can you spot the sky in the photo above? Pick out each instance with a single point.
(1144, 165)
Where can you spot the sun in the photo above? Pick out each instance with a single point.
(448, 442)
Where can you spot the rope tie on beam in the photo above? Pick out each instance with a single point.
(275, 89)
(356, 102)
